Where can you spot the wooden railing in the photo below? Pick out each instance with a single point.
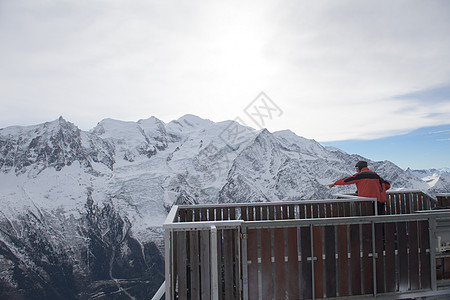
(406, 202)
(277, 210)
(443, 200)
(301, 250)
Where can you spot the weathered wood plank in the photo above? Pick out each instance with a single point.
(293, 268)
(194, 263)
(205, 262)
(355, 259)
(306, 265)
(379, 246)
(330, 261)
(403, 282)
(228, 261)
(266, 264)
(391, 278)
(367, 259)
(279, 265)
(342, 245)
(425, 263)
(413, 245)
(182, 265)
(318, 264)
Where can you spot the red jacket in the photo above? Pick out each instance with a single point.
(368, 183)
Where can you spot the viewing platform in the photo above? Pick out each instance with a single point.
(312, 249)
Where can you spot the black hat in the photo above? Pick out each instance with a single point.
(361, 164)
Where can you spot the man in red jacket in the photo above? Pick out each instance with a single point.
(368, 184)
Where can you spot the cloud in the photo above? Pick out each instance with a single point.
(336, 69)
(431, 95)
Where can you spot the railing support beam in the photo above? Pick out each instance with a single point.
(214, 265)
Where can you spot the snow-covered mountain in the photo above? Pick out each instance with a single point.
(438, 180)
(82, 211)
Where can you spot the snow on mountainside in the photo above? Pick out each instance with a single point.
(438, 180)
(101, 196)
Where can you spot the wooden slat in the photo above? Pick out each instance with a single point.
(328, 212)
(318, 265)
(321, 210)
(194, 263)
(388, 205)
(189, 215)
(293, 269)
(181, 265)
(228, 261)
(421, 202)
(285, 212)
(218, 212)
(424, 241)
(356, 209)
(308, 210)
(439, 268)
(403, 282)
(205, 262)
(265, 213)
(408, 201)
(280, 265)
(413, 245)
(397, 204)
(244, 215)
(330, 262)
(251, 214)
(211, 214)
(182, 215)
(343, 279)
(225, 213)
(252, 257)
(291, 211)
(278, 212)
(204, 214)
(271, 213)
(266, 265)
(446, 268)
(391, 278)
(232, 213)
(367, 260)
(306, 266)
(347, 210)
(355, 259)
(379, 246)
(415, 205)
(302, 211)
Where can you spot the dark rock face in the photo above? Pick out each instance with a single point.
(94, 257)
(52, 145)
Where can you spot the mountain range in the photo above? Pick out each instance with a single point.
(82, 211)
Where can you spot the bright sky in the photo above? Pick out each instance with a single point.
(335, 70)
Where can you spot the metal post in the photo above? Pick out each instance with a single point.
(374, 262)
(168, 263)
(214, 270)
(160, 292)
(433, 246)
(244, 263)
(313, 285)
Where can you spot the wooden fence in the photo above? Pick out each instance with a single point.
(302, 250)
